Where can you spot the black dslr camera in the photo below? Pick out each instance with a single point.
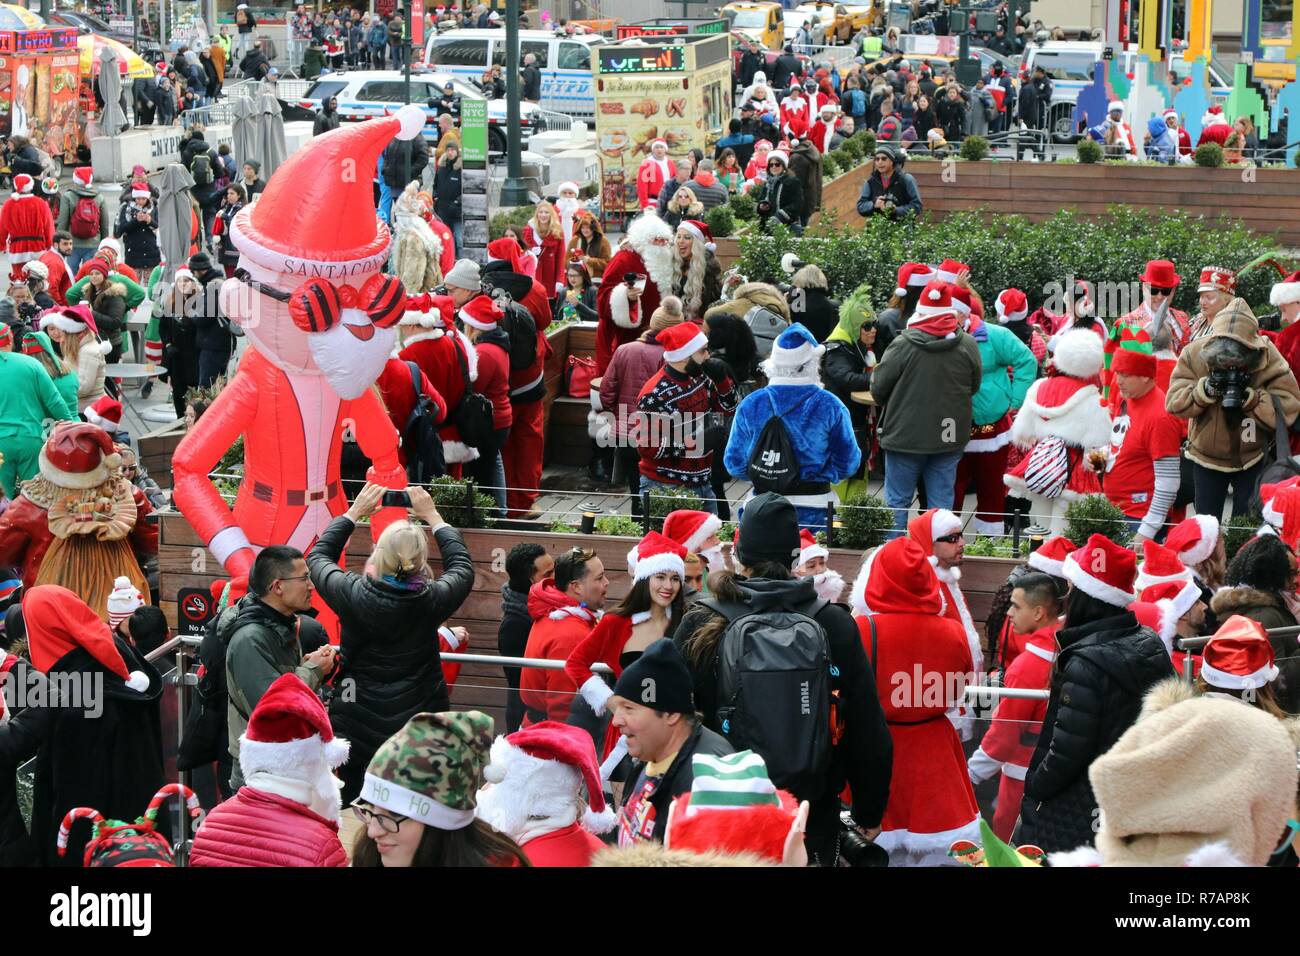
(1230, 365)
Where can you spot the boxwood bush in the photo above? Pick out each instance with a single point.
(1013, 252)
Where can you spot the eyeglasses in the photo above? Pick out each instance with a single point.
(777, 163)
(880, 159)
(388, 823)
(949, 539)
(1162, 290)
(299, 577)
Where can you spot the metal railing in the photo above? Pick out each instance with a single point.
(838, 56)
(544, 120)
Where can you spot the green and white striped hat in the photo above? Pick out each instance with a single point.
(734, 782)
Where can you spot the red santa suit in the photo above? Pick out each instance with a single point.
(920, 659)
(438, 348)
(652, 176)
(26, 225)
(923, 529)
(312, 359)
(796, 115)
(59, 281)
(1011, 737)
(397, 388)
(1214, 127)
(821, 132)
(559, 625)
(1061, 420)
(549, 250)
(620, 319)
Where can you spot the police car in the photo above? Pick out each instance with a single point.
(363, 94)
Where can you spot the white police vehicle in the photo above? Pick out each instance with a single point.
(363, 94)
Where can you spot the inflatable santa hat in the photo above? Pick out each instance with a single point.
(1051, 554)
(59, 622)
(1159, 566)
(1193, 539)
(538, 773)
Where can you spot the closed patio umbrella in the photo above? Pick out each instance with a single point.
(244, 131)
(270, 135)
(175, 218)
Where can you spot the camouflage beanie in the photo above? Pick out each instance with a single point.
(432, 768)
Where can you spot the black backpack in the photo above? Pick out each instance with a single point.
(773, 464)
(420, 440)
(766, 326)
(774, 691)
(206, 738)
(518, 324)
(473, 413)
(201, 169)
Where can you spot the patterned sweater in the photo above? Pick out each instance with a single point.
(669, 431)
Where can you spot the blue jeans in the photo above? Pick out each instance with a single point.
(457, 228)
(902, 473)
(704, 490)
(79, 255)
(385, 202)
(397, 54)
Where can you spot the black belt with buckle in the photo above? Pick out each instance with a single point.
(263, 492)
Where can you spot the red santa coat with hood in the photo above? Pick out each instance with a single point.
(1287, 340)
(26, 227)
(796, 115)
(549, 250)
(651, 178)
(620, 319)
(559, 626)
(435, 350)
(920, 658)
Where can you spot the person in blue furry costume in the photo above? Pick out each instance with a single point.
(817, 423)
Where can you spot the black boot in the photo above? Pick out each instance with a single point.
(596, 469)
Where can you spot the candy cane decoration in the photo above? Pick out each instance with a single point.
(71, 817)
(159, 798)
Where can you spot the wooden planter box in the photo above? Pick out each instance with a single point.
(156, 451)
(1269, 202)
(567, 441)
(184, 562)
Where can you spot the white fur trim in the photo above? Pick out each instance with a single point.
(1040, 562)
(1094, 587)
(1079, 353)
(138, 681)
(631, 561)
(276, 263)
(708, 527)
(1144, 580)
(62, 322)
(1213, 854)
(457, 452)
(906, 842)
(469, 320)
(1272, 517)
(978, 445)
(448, 635)
(1084, 856)
(596, 692)
(226, 542)
(288, 758)
(858, 592)
(1202, 550)
(1284, 293)
(620, 308)
(1168, 624)
(67, 479)
(1081, 420)
(829, 585)
(700, 341)
(658, 563)
(943, 523)
(1227, 681)
(601, 822)
(813, 550)
(409, 803)
(614, 759)
(411, 119)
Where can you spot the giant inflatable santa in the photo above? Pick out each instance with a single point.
(644, 263)
(321, 321)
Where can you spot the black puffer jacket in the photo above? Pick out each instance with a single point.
(818, 312)
(864, 756)
(389, 643)
(1103, 671)
(844, 371)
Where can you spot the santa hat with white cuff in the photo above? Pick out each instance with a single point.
(1160, 566)
(1239, 656)
(682, 341)
(657, 554)
(700, 231)
(1011, 306)
(106, 412)
(795, 359)
(691, 529)
(1173, 599)
(809, 548)
(481, 313)
(912, 275)
(1286, 291)
(59, 622)
(23, 184)
(1051, 554)
(1103, 570)
(1193, 539)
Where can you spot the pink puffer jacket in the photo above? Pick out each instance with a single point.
(256, 828)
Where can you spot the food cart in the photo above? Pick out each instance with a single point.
(674, 88)
(39, 79)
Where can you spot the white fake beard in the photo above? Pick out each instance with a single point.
(659, 265)
(715, 558)
(828, 584)
(350, 364)
(325, 798)
(567, 208)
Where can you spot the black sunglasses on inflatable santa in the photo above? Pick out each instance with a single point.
(317, 304)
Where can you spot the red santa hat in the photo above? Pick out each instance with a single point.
(1213, 115)
(809, 548)
(1103, 570)
(691, 529)
(68, 318)
(1268, 494)
(1160, 565)
(540, 772)
(1286, 291)
(569, 187)
(682, 341)
(283, 232)
(656, 554)
(23, 184)
(1282, 508)
(936, 523)
(505, 249)
(78, 455)
(963, 301)
(901, 566)
(1239, 656)
(59, 622)
(122, 601)
(106, 413)
(1079, 354)
(912, 275)
(481, 313)
(1218, 279)
(84, 175)
(1168, 114)
(1193, 539)
(699, 231)
(1172, 599)
(289, 727)
(140, 190)
(7, 341)
(1051, 554)
(429, 311)
(936, 313)
(950, 270)
(1011, 305)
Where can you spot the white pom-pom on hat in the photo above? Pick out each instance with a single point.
(412, 120)
(138, 681)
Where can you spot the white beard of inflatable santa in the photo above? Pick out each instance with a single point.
(321, 321)
(1061, 421)
(648, 255)
(567, 205)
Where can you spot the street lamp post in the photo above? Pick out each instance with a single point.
(514, 192)
(406, 90)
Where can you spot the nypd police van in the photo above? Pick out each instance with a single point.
(565, 62)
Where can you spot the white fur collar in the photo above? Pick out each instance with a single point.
(1081, 420)
(431, 336)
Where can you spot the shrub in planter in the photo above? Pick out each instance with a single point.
(844, 159)
(562, 527)
(720, 220)
(1239, 530)
(1089, 151)
(453, 500)
(855, 147)
(663, 503)
(865, 520)
(830, 166)
(1094, 514)
(518, 216)
(974, 148)
(620, 526)
(867, 138)
(1209, 155)
(744, 207)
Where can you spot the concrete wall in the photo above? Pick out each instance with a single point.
(153, 147)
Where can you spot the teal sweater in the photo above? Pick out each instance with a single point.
(999, 392)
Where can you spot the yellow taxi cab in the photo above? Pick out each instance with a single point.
(761, 21)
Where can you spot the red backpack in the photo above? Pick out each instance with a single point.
(85, 218)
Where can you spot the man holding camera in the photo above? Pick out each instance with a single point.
(1231, 385)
